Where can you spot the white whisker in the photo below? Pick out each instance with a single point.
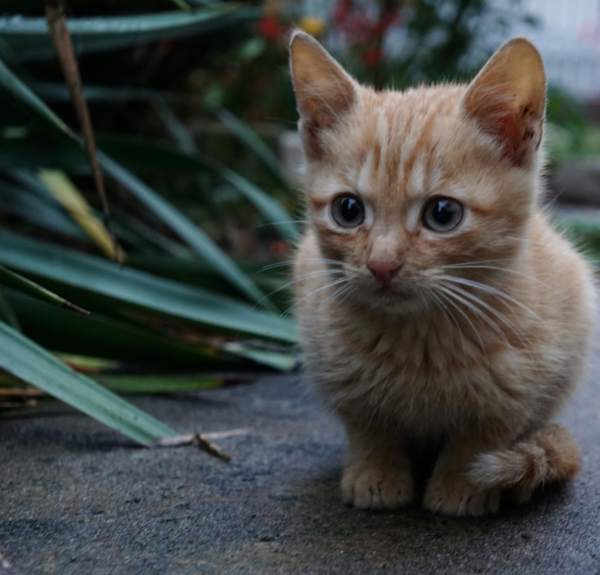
(331, 284)
(517, 331)
(490, 290)
(448, 299)
(479, 313)
(291, 262)
(449, 315)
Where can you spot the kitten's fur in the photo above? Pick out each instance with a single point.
(481, 367)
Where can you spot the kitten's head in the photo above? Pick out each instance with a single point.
(404, 187)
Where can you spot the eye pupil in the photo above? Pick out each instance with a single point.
(349, 208)
(348, 211)
(443, 212)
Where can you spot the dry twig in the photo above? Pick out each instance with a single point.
(61, 38)
(14, 394)
(202, 441)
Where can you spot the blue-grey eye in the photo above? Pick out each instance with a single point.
(443, 214)
(348, 211)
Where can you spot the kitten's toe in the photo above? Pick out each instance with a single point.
(454, 496)
(377, 488)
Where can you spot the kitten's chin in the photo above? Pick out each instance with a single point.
(393, 301)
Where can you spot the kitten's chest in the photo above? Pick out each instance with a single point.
(418, 371)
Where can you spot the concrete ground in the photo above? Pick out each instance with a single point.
(78, 498)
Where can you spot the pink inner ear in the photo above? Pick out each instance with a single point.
(507, 99)
(518, 130)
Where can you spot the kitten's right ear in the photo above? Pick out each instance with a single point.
(324, 91)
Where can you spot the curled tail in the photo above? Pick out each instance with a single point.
(549, 456)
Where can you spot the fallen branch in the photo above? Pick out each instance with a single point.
(202, 441)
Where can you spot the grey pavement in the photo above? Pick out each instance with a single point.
(77, 498)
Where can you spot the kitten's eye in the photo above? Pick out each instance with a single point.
(348, 211)
(443, 214)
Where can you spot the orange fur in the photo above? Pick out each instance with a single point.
(483, 332)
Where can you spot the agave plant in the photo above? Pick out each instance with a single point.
(164, 294)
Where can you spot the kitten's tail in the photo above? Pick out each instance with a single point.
(549, 456)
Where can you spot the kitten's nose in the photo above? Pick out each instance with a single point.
(384, 271)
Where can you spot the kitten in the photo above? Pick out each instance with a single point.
(434, 299)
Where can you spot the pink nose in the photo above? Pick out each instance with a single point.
(384, 271)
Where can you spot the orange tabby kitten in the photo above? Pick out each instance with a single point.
(434, 299)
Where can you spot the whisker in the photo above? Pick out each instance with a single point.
(492, 291)
(290, 262)
(463, 264)
(490, 322)
(527, 240)
(517, 331)
(331, 284)
(345, 294)
(449, 315)
(271, 224)
(304, 277)
(449, 300)
(337, 293)
(508, 270)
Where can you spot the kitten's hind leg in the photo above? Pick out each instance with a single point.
(377, 474)
(549, 456)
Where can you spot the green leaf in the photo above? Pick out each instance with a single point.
(139, 290)
(186, 229)
(12, 280)
(157, 384)
(183, 5)
(102, 337)
(7, 311)
(178, 130)
(270, 208)
(58, 92)
(152, 157)
(29, 39)
(143, 156)
(254, 142)
(38, 211)
(12, 84)
(33, 364)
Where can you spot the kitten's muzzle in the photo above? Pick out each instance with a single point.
(384, 271)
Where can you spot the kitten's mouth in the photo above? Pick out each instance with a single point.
(390, 294)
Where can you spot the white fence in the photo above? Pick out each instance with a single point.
(569, 39)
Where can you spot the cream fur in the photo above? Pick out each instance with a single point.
(482, 367)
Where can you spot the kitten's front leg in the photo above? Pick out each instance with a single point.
(377, 474)
(448, 490)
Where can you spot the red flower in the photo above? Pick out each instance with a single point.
(341, 11)
(372, 57)
(271, 29)
(389, 19)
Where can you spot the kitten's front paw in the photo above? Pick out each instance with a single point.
(370, 487)
(452, 495)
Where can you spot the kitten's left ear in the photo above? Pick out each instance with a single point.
(508, 98)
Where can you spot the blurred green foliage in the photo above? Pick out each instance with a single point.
(188, 108)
